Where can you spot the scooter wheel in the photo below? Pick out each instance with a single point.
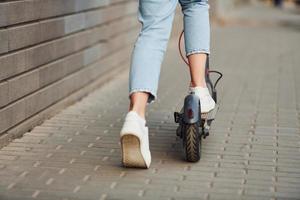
(192, 143)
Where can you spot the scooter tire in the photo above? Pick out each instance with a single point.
(192, 142)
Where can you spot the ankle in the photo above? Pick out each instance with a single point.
(201, 84)
(141, 113)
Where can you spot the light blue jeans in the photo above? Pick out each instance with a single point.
(156, 17)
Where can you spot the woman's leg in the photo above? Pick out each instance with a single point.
(197, 38)
(156, 17)
(138, 102)
(197, 45)
(197, 69)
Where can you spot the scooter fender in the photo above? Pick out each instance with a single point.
(191, 108)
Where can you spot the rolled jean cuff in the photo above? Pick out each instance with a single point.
(152, 95)
(197, 51)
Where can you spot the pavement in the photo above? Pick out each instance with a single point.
(253, 151)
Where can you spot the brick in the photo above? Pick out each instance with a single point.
(3, 41)
(116, 1)
(100, 33)
(56, 8)
(92, 54)
(109, 14)
(83, 5)
(18, 60)
(25, 35)
(11, 115)
(3, 93)
(21, 11)
(60, 68)
(74, 23)
(42, 54)
(93, 18)
(68, 45)
(3, 14)
(52, 28)
(51, 8)
(22, 85)
(41, 99)
(60, 7)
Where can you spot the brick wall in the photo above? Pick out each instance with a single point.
(53, 49)
(50, 49)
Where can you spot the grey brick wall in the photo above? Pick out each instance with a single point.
(53, 52)
(51, 49)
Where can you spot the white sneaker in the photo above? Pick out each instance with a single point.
(135, 141)
(206, 101)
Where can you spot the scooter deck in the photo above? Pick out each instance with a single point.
(210, 115)
(207, 116)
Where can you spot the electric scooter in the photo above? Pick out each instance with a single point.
(194, 125)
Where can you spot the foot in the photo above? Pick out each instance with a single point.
(206, 101)
(135, 141)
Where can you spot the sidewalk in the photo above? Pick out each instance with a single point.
(252, 152)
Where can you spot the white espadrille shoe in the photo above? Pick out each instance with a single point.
(135, 142)
(206, 101)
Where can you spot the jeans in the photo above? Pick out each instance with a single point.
(156, 17)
